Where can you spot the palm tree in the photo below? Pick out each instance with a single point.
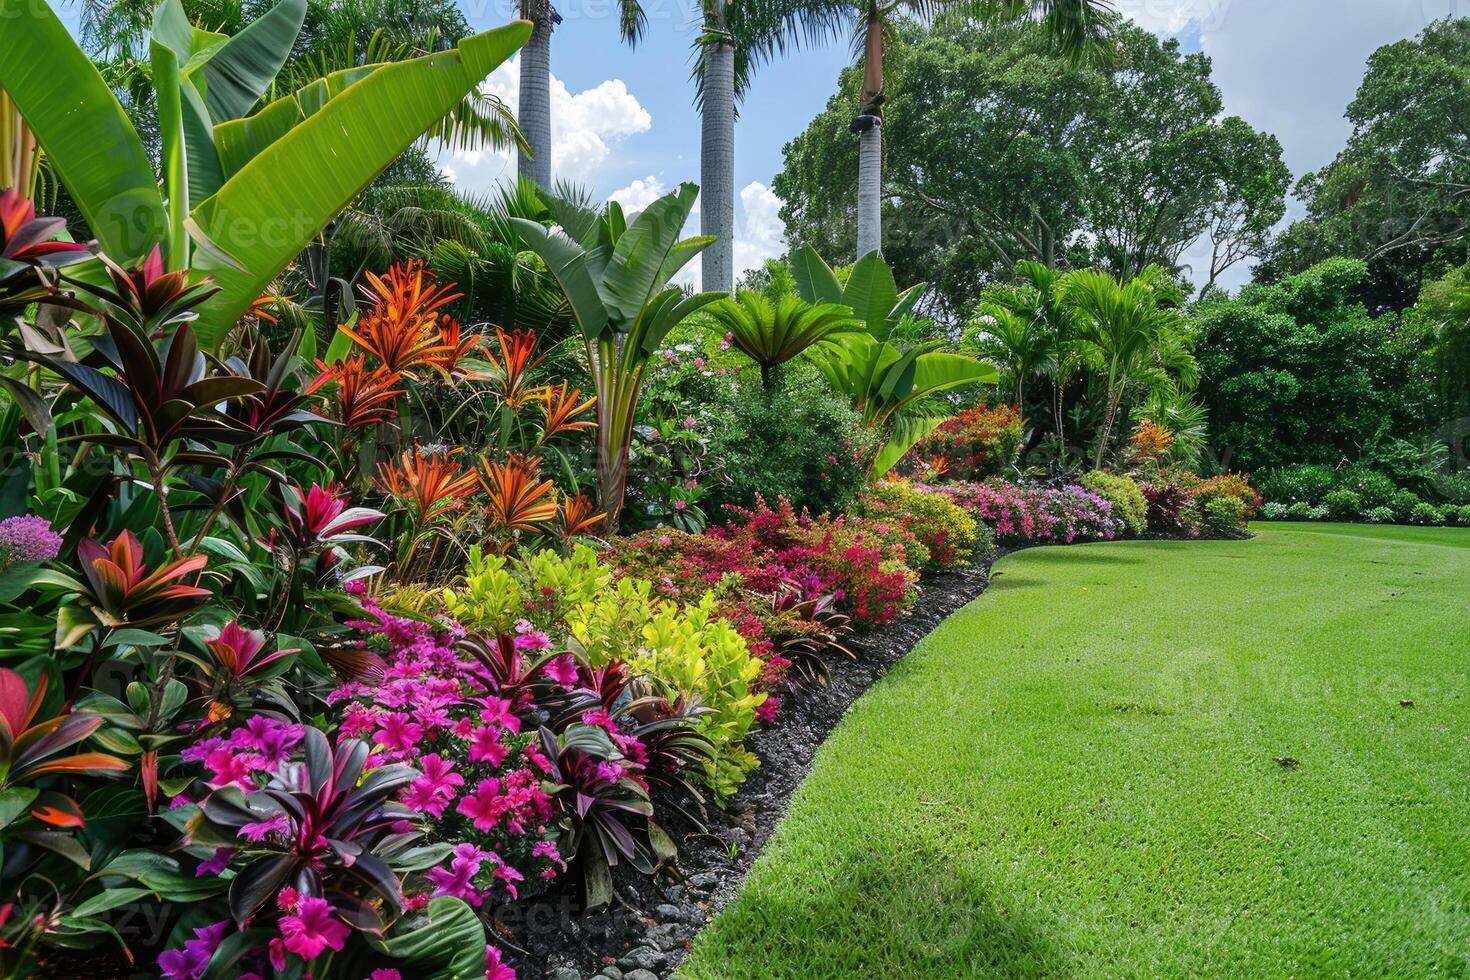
(1129, 337)
(737, 36)
(1078, 28)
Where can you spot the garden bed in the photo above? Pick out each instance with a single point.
(651, 924)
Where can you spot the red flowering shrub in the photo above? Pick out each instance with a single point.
(978, 443)
(1168, 506)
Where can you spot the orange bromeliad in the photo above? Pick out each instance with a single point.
(402, 329)
(519, 498)
(575, 516)
(514, 365)
(432, 482)
(364, 397)
(561, 406)
(455, 348)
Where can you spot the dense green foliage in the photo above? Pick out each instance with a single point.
(1123, 162)
(1300, 371)
(1028, 796)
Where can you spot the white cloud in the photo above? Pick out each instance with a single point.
(763, 235)
(1174, 16)
(639, 194)
(586, 127)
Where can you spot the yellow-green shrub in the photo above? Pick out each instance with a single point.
(1129, 504)
(950, 537)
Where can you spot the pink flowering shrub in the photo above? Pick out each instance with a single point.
(1036, 515)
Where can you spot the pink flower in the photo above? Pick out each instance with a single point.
(287, 899)
(486, 806)
(190, 962)
(259, 830)
(562, 669)
(218, 862)
(485, 746)
(494, 969)
(398, 733)
(384, 973)
(312, 929)
(497, 711)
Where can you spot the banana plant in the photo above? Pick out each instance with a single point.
(772, 333)
(616, 278)
(888, 386)
(241, 195)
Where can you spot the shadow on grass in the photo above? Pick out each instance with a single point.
(907, 911)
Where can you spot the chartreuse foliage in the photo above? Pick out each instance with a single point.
(684, 651)
(241, 195)
(990, 806)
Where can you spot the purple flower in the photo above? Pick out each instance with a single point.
(28, 538)
(190, 962)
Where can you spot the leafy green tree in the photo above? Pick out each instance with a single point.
(1125, 163)
(1300, 371)
(1398, 196)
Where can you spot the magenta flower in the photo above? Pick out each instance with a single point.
(485, 746)
(216, 863)
(190, 962)
(497, 711)
(259, 830)
(494, 969)
(562, 669)
(398, 733)
(312, 929)
(486, 806)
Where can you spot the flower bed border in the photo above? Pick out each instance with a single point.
(653, 922)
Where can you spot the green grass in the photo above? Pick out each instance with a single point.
(1075, 776)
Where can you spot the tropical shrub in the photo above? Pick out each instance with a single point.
(1379, 515)
(1168, 507)
(1224, 515)
(1425, 513)
(1037, 515)
(1456, 515)
(800, 443)
(946, 530)
(1375, 489)
(1299, 511)
(1346, 504)
(1129, 503)
(1309, 482)
(977, 444)
(1204, 490)
(1403, 504)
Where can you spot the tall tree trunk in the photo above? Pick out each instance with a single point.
(717, 165)
(869, 126)
(534, 111)
(870, 189)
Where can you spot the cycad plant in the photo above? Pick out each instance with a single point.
(773, 332)
(616, 278)
(241, 195)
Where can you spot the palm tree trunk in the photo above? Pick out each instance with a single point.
(870, 189)
(534, 111)
(717, 165)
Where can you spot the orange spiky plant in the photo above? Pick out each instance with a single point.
(561, 407)
(455, 348)
(514, 365)
(364, 396)
(429, 481)
(519, 499)
(402, 329)
(575, 516)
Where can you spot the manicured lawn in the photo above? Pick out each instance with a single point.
(1077, 775)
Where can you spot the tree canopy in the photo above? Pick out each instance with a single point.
(998, 151)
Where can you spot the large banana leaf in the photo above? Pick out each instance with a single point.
(238, 141)
(568, 263)
(83, 130)
(872, 293)
(815, 280)
(906, 432)
(271, 209)
(239, 71)
(632, 274)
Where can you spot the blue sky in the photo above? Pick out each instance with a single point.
(624, 122)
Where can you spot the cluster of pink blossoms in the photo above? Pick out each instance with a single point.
(1035, 515)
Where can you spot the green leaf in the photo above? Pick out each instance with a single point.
(239, 71)
(266, 213)
(872, 293)
(83, 130)
(13, 802)
(109, 899)
(451, 944)
(568, 263)
(815, 280)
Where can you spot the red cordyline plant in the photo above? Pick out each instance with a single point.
(31, 749)
(402, 327)
(27, 241)
(122, 592)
